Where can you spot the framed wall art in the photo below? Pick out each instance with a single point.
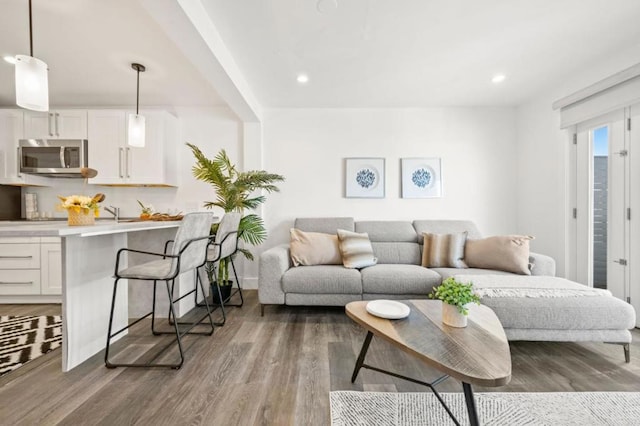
(364, 177)
(421, 178)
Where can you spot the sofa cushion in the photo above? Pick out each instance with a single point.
(322, 279)
(314, 248)
(508, 253)
(387, 231)
(444, 250)
(551, 303)
(563, 313)
(402, 253)
(445, 227)
(326, 225)
(356, 249)
(398, 279)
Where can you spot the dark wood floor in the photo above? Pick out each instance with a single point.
(274, 370)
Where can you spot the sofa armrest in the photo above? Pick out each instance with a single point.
(273, 264)
(542, 265)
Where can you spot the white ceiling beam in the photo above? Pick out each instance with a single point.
(187, 23)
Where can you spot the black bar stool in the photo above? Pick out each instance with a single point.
(188, 252)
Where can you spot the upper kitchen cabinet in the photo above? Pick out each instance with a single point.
(11, 130)
(56, 124)
(121, 165)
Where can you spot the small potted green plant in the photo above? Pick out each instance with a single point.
(455, 296)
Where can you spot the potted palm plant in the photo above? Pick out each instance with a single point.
(235, 192)
(455, 297)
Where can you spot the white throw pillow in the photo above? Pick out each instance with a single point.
(356, 249)
(314, 248)
(508, 253)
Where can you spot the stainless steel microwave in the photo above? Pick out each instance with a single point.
(53, 157)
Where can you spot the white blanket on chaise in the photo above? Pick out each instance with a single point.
(528, 286)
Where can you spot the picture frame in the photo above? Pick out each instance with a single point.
(421, 177)
(364, 177)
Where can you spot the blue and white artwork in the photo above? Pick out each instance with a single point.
(421, 178)
(364, 177)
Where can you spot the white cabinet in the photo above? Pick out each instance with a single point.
(11, 130)
(30, 266)
(56, 124)
(106, 145)
(119, 164)
(50, 266)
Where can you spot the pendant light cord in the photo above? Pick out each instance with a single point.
(137, 90)
(30, 32)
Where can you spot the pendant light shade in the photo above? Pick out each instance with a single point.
(32, 78)
(32, 83)
(136, 129)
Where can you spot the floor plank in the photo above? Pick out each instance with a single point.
(271, 370)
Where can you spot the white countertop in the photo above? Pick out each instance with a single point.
(62, 229)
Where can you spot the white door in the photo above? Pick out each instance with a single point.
(11, 130)
(39, 125)
(51, 267)
(633, 191)
(601, 203)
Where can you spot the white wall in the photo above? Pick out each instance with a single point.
(308, 147)
(543, 155)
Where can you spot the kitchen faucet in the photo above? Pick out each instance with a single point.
(115, 211)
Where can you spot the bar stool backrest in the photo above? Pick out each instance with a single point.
(194, 225)
(227, 236)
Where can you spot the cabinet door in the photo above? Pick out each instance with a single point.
(70, 124)
(38, 125)
(146, 165)
(11, 129)
(56, 124)
(51, 268)
(106, 145)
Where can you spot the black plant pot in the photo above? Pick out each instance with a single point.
(225, 291)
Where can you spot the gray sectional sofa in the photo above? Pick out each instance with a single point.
(399, 275)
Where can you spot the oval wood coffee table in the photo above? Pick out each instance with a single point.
(475, 355)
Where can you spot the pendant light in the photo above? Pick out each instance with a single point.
(32, 80)
(136, 131)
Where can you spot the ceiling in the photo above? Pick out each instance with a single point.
(413, 53)
(365, 53)
(89, 46)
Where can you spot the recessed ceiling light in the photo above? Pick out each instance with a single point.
(302, 78)
(326, 6)
(498, 78)
(10, 59)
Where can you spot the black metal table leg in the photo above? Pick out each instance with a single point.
(363, 353)
(471, 404)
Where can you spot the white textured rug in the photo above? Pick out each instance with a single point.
(350, 408)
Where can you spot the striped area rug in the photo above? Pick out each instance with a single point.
(350, 408)
(23, 339)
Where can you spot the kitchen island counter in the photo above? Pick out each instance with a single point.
(55, 228)
(88, 265)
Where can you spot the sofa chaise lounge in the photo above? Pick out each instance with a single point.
(550, 309)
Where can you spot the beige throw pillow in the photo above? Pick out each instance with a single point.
(444, 250)
(508, 253)
(356, 249)
(314, 248)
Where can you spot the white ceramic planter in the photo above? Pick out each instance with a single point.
(452, 317)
